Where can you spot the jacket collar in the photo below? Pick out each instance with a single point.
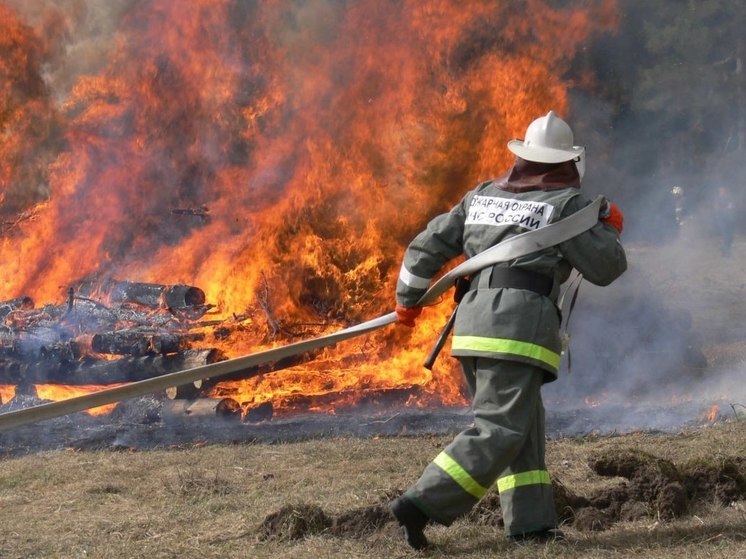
(527, 176)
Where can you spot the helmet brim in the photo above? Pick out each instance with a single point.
(540, 154)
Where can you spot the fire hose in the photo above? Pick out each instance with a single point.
(514, 247)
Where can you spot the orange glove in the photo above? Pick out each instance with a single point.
(406, 315)
(613, 216)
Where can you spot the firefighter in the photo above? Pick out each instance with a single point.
(507, 331)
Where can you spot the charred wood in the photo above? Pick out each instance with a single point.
(10, 371)
(252, 372)
(156, 295)
(88, 315)
(61, 352)
(137, 343)
(103, 372)
(173, 343)
(259, 413)
(121, 343)
(19, 303)
(8, 342)
(41, 342)
(48, 315)
(152, 325)
(144, 410)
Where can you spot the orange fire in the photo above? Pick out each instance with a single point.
(712, 415)
(321, 136)
(57, 392)
(7, 392)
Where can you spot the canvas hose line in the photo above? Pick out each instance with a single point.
(514, 247)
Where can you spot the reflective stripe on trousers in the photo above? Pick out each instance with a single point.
(505, 483)
(535, 477)
(460, 475)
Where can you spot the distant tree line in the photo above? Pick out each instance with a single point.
(663, 105)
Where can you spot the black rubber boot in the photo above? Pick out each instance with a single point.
(412, 521)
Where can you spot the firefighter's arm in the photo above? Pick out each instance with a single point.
(440, 242)
(597, 253)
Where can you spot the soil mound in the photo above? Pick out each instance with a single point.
(294, 522)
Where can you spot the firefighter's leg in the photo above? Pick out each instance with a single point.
(525, 488)
(411, 518)
(505, 401)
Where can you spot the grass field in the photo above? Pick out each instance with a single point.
(211, 501)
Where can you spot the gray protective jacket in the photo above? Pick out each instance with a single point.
(506, 323)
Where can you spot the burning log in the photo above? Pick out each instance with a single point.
(49, 345)
(251, 372)
(61, 352)
(138, 343)
(190, 390)
(178, 298)
(121, 343)
(201, 407)
(45, 341)
(102, 372)
(156, 295)
(173, 343)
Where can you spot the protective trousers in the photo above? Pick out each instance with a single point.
(504, 446)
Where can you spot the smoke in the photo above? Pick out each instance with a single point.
(670, 328)
(80, 36)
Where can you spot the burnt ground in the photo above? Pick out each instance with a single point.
(141, 424)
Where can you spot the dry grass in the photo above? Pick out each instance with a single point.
(210, 501)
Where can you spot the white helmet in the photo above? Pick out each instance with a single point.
(549, 139)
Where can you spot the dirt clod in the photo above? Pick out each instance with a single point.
(672, 501)
(294, 522)
(361, 522)
(590, 519)
(633, 510)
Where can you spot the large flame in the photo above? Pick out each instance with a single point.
(316, 138)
